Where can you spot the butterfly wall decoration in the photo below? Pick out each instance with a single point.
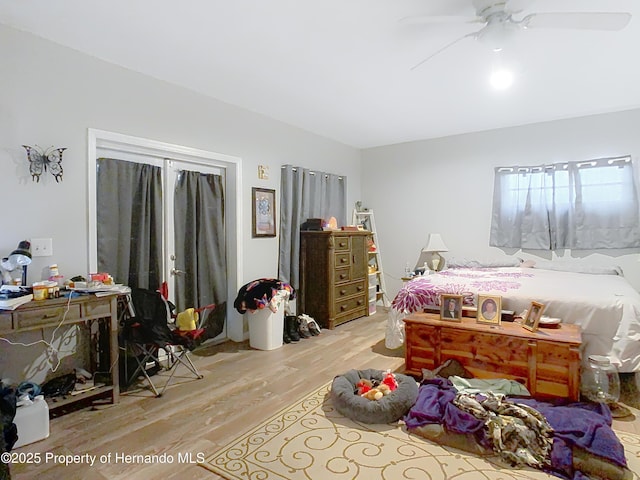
(44, 160)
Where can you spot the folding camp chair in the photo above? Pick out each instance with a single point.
(150, 331)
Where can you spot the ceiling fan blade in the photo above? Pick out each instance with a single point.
(578, 20)
(442, 49)
(517, 6)
(484, 7)
(439, 19)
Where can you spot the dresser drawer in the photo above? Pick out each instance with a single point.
(348, 304)
(341, 275)
(342, 243)
(343, 259)
(97, 309)
(350, 315)
(348, 290)
(46, 316)
(6, 324)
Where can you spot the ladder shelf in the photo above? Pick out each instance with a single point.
(367, 220)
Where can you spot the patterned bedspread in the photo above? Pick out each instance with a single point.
(425, 291)
(606, 307)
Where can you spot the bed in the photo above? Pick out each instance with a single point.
(600, 300)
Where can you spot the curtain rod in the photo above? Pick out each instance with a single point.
(565, 165)
(326, 175)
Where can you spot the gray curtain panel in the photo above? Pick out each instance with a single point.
(200, 240)
(129, 222)
(578, 205)
(305, 194)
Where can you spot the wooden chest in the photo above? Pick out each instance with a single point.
(547, 362)
(333, 276)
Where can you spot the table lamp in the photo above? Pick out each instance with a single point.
(20, 257)
(430, 254)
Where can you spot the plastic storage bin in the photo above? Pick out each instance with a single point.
(266, 328)
(32, 422)
(372, 299)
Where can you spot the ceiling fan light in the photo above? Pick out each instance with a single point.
(501, 79)
(497, 34)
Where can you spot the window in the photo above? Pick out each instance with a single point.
(578, 205)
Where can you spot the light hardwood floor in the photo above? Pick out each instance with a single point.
(241, 387)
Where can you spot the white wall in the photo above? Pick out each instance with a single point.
(51, 95)
(445, 185)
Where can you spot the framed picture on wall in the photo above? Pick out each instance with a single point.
(489, 309)
(451, 307)
(263, 218)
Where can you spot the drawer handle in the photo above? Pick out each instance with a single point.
(343, 275)
(49, 315)
(360, 302)
(342, 244)
(343, 307)
(342, 292)
(343, 260)
(360, 288)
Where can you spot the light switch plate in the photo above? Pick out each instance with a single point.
(41, 247)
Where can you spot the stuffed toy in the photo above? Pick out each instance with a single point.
(390, 380)
(364, 386)
(368, 390)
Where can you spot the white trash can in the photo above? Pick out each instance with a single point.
(266, 328)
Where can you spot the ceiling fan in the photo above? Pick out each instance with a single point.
(500, 26)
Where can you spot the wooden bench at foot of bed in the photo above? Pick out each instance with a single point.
(547, 362)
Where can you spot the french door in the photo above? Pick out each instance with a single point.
(195, 239)
(198, 226)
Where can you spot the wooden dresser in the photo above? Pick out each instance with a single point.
(547, 362)
(333, 276)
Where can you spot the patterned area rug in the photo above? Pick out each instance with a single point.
(310, 440)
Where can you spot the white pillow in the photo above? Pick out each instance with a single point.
(579, 267)
(468, 263)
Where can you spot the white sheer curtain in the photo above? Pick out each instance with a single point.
(305, 194)
(578, 205)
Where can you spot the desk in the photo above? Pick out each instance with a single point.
(546, 361)
(82, 310)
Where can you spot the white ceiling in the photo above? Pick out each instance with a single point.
(342, 68)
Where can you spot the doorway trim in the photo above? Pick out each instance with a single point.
(141, 146)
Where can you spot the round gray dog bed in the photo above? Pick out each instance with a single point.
(388, 409)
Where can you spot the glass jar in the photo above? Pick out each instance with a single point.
(600, 381)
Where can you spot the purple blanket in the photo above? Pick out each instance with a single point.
(587, 426)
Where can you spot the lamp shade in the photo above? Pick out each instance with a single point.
(435, 244)
(21, 256)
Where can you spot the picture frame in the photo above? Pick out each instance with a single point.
(489, 309)
(451, 307)
(532, 320)
(263, 212)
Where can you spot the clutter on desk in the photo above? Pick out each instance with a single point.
(54, 275)
(45, 289)
(12, 296)
(313, 224)
(97, 283)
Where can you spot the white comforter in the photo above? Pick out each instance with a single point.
(607, 307)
